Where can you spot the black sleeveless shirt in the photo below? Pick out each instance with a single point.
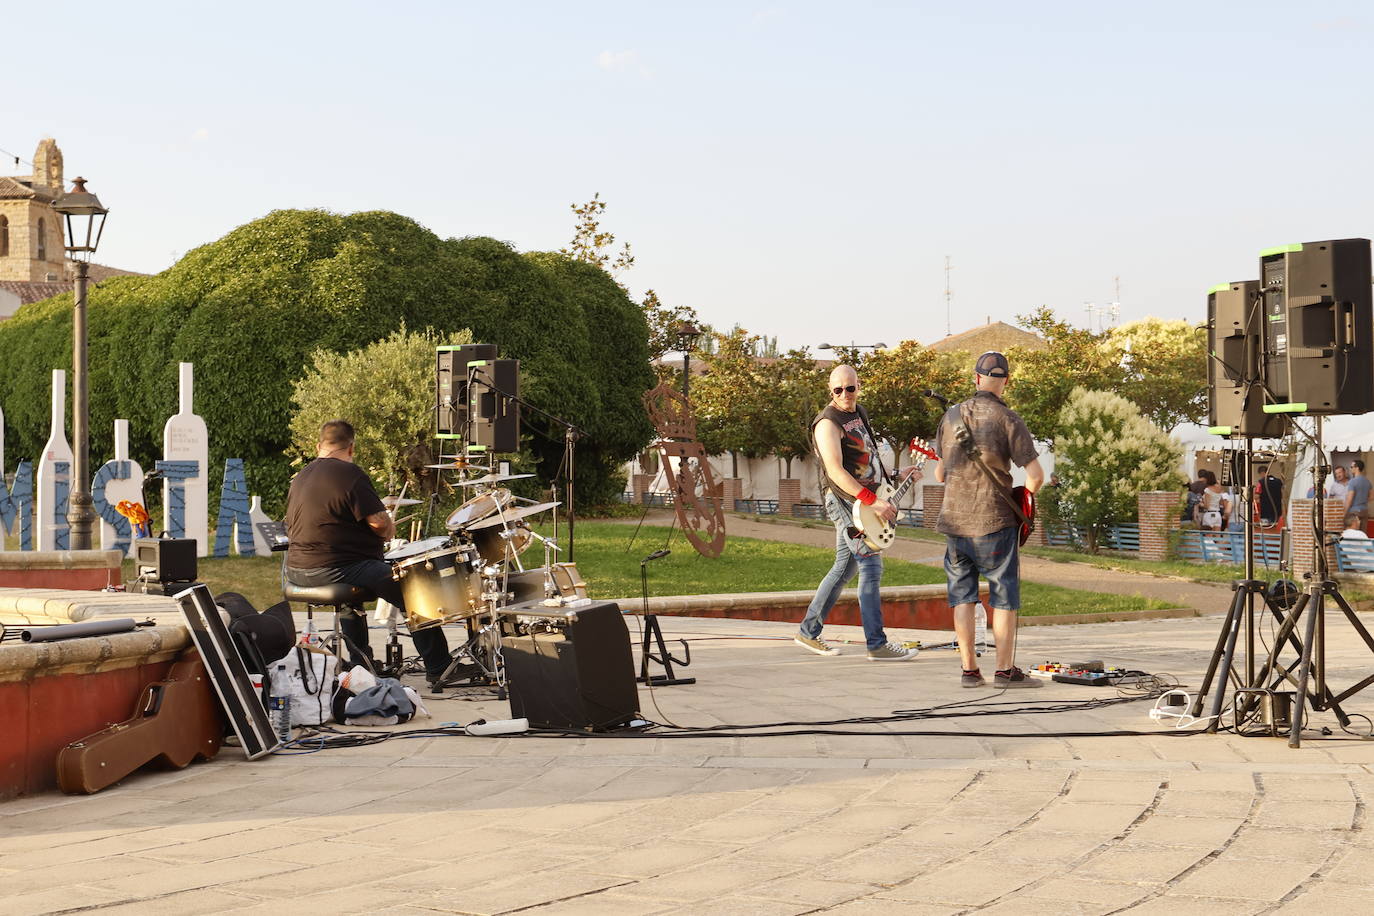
(857, 449)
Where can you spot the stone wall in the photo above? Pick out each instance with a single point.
(1158, 514)
(1300, 533)
(932, 497)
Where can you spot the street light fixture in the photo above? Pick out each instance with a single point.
(687, 335)
(85, 222)
(854, 346)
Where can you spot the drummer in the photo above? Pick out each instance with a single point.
(338, 526)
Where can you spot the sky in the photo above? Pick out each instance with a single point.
(800, 169)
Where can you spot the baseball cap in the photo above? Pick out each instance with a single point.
(992, 363)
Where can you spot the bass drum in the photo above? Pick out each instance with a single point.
(440, 586)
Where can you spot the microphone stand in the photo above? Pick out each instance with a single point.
(571, 433)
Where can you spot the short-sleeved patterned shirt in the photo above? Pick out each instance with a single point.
(972, 506)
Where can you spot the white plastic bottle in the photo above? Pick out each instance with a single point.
(980, 629)
(279, 705)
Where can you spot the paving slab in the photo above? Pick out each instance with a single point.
(910, 814)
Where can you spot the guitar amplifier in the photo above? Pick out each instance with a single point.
(570, 667)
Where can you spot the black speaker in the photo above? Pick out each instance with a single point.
(495, 415)
(170, 559)
(1319, 330)
(572, 667)
(1235, 335)
(451, 386)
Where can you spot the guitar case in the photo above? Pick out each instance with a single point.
(175, 720)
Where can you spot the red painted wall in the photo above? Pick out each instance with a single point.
(40, 717)
(86, 580)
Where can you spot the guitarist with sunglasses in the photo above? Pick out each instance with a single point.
(982, 519)
(853, 471)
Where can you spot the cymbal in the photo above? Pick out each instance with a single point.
(459, 466)
(391, 502)
(511, 515)
(488, 479)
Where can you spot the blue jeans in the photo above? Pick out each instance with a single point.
(850, 554)
(997, 556)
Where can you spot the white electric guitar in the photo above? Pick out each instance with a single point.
(877, 532)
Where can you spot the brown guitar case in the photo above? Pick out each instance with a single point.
(176, 720)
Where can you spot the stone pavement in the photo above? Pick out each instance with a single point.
(913, 816)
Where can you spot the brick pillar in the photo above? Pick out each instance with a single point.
(1158, 513)
(731, 489)
(1300, 533)
(932, 497)
(1038, 538)
(639, 485)
(789, 494)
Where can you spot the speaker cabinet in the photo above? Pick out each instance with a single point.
(451, 386)
(495, 415)
(1234, 340)
(1319, 332)
(169, 559)
(572, 668)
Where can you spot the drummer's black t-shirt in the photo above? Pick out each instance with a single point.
(326, 516)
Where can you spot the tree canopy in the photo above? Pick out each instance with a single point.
(250, 309)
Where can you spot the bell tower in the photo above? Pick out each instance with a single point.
(47, 165)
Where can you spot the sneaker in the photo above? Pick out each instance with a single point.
(1015, 677)
(817, 645)
(972, 678)
(891, 652)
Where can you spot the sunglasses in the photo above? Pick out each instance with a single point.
(844, 389)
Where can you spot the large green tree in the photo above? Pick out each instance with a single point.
(893, 382)
(1164, 369)
(250, 309)
(1041, 380)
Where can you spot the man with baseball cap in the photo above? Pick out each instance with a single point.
(980, 526)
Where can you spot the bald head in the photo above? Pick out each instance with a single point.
(844, 377)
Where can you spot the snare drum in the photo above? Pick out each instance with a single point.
(414, 548)
(440, 585)
(530, 584)
(568, 581)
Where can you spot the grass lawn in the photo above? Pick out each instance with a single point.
(748, 565)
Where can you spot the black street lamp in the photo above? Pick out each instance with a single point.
(85, 221)
(687, 334)
(849, 352)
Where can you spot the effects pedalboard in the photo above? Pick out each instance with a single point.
(1089, 674)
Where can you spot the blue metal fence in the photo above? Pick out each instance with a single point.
(1355, 555)
(1117, 537)
(1227, 547)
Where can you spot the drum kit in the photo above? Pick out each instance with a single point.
(469, 574)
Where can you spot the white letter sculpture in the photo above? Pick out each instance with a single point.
(115, 482)
(185, 488)
(55, 472)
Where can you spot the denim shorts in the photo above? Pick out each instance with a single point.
(996, 557)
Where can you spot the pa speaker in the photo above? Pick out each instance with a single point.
(451, 386)
(494, 412)
(1235, 397)
(1319, 332)
(572, 668)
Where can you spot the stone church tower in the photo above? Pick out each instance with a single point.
(31, 233)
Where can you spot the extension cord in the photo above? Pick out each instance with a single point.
(483, 728)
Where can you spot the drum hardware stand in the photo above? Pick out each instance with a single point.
(653, 633)
(571, 433)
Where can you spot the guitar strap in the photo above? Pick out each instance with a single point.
(976, 456)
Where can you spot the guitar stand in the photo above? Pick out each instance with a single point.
(652, 631)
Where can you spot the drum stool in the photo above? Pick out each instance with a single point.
(338, 595)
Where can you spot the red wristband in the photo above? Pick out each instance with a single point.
(867, 496)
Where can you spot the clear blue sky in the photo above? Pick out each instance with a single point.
(800, 168)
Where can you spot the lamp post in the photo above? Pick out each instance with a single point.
(85, 221)
(687, 334)
(850, 351)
